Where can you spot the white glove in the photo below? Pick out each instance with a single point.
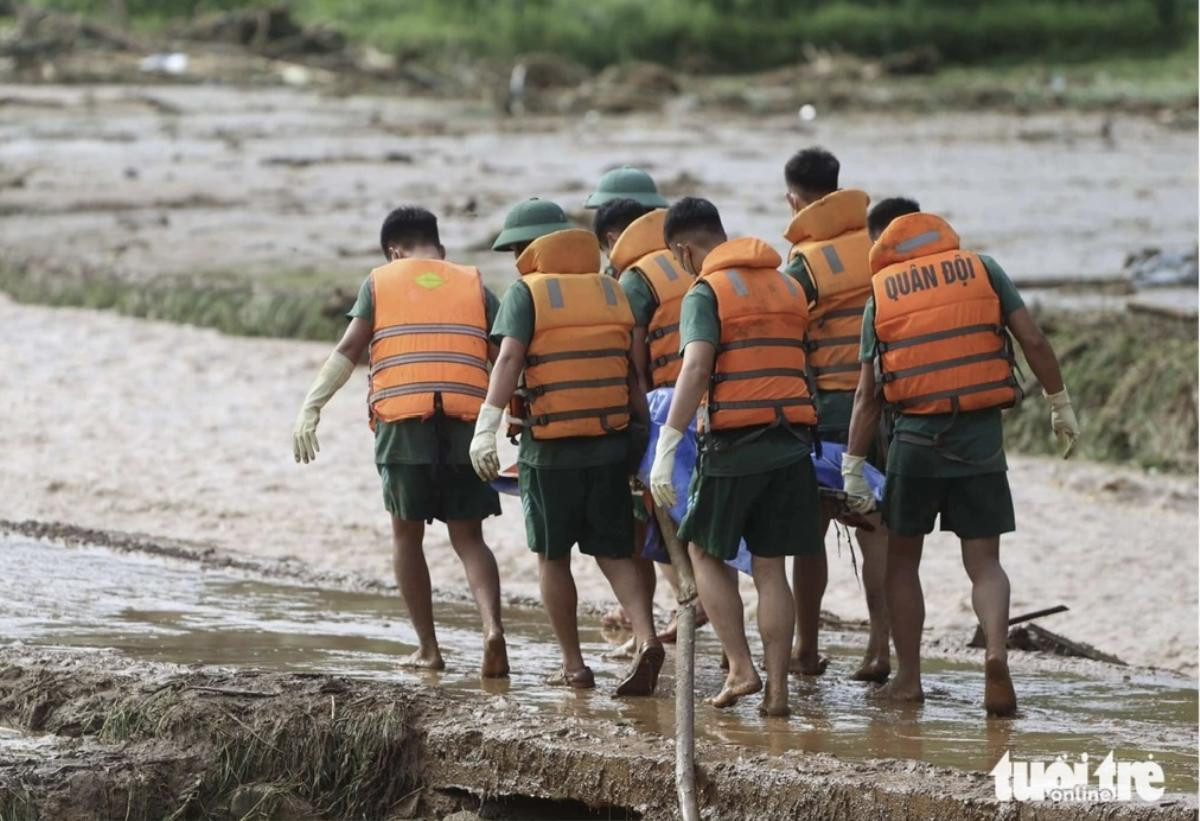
(1062, 420)
(859, 497)
(333, 375)
(484, 458)
(661, 486)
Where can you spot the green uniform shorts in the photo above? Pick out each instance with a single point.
(971, 507)
(412, 492)
(778, 512)
(588, 506)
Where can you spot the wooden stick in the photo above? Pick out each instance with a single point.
(685, 670)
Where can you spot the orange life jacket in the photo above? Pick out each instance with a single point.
(831, 235)
(641, 248)
(942, 343)
(759, 376)
(429, 347)
(576, 374)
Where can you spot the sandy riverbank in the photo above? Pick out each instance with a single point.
(175, 431)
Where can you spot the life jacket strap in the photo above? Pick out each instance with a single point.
(530, 393)
(428, 328)
(663, 361)
(709, 444)
(830, 342)
(596, 353)
(760, 342)
(843, 368)
(432, 356)
(753, 404)
(536, 420)
(755, 374)
(937, 336)
(841, 313)
(428, 387)
(660, 332)
(892, 376)
(954, 393)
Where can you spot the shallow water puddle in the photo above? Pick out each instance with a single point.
(166, 610)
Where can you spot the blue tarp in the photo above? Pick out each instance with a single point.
(828, 466)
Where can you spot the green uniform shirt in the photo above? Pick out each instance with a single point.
(833, 407)
(977, 436)
(415, 441)
(777, 447)
(515, 319)
(641, 298)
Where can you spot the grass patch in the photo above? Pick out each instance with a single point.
(728, 35)
(1133, 382)
(233, 308)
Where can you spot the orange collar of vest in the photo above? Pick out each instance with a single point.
(911, 236)
(832, 215)
(743, 252)
(643, 236)
(572, 251)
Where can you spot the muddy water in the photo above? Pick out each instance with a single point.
(178, 612)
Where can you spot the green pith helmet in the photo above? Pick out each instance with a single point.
(528, 221)
(626, 182)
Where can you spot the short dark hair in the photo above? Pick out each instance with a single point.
(616, 215)
(814, 170)
(885, 211)
(692, 215)
(407, 226)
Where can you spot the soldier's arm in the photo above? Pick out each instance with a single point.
(355, 340)
(505, 373)
(1038, 352)
(698, 359)
(864, 419)
(639, 408)
(639, 354)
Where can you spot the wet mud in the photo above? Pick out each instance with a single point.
(182, 676)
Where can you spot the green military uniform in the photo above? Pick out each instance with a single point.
(573, 490)
(764, 490)
(969, 487)
(424, 464)
(642, 302)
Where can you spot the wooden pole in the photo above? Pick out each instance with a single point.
(685, 670)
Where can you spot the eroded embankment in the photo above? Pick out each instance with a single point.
(143, 740)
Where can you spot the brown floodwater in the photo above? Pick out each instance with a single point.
(173, 611)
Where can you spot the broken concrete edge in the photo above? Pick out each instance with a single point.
(944, 643)
(125, 718)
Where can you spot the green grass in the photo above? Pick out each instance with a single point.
(1134, 386)
(730, 35)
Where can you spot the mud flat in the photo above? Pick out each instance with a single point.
(153, 680)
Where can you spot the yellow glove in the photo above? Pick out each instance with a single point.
(333, 375)
(859, 497)
(1062, 420)
(661, 486)
(484, 458)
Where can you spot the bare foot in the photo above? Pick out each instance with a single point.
(430, 659)
(616, 619)
(774, 704)
(581, 679)
(999, 698)
(495, 657)
(735, 689)
(873, 670)
(643, 673)
(625, 651)
(671, 632)
(898, 690)
(813, 665)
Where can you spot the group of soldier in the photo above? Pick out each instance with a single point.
(880, 334)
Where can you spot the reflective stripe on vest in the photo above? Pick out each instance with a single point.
(942, 345)
(429, 346)
(576, 374)
(841, 275)
(668, 283)
(759, 377)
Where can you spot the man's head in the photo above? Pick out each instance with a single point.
(810, 174)
(527, 221)
(411, 232)
(692, 229)
(881, 216)
(626, 182)
(614, 217)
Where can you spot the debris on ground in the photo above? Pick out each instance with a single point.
(1158, 268)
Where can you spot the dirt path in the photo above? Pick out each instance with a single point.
(141, 426)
